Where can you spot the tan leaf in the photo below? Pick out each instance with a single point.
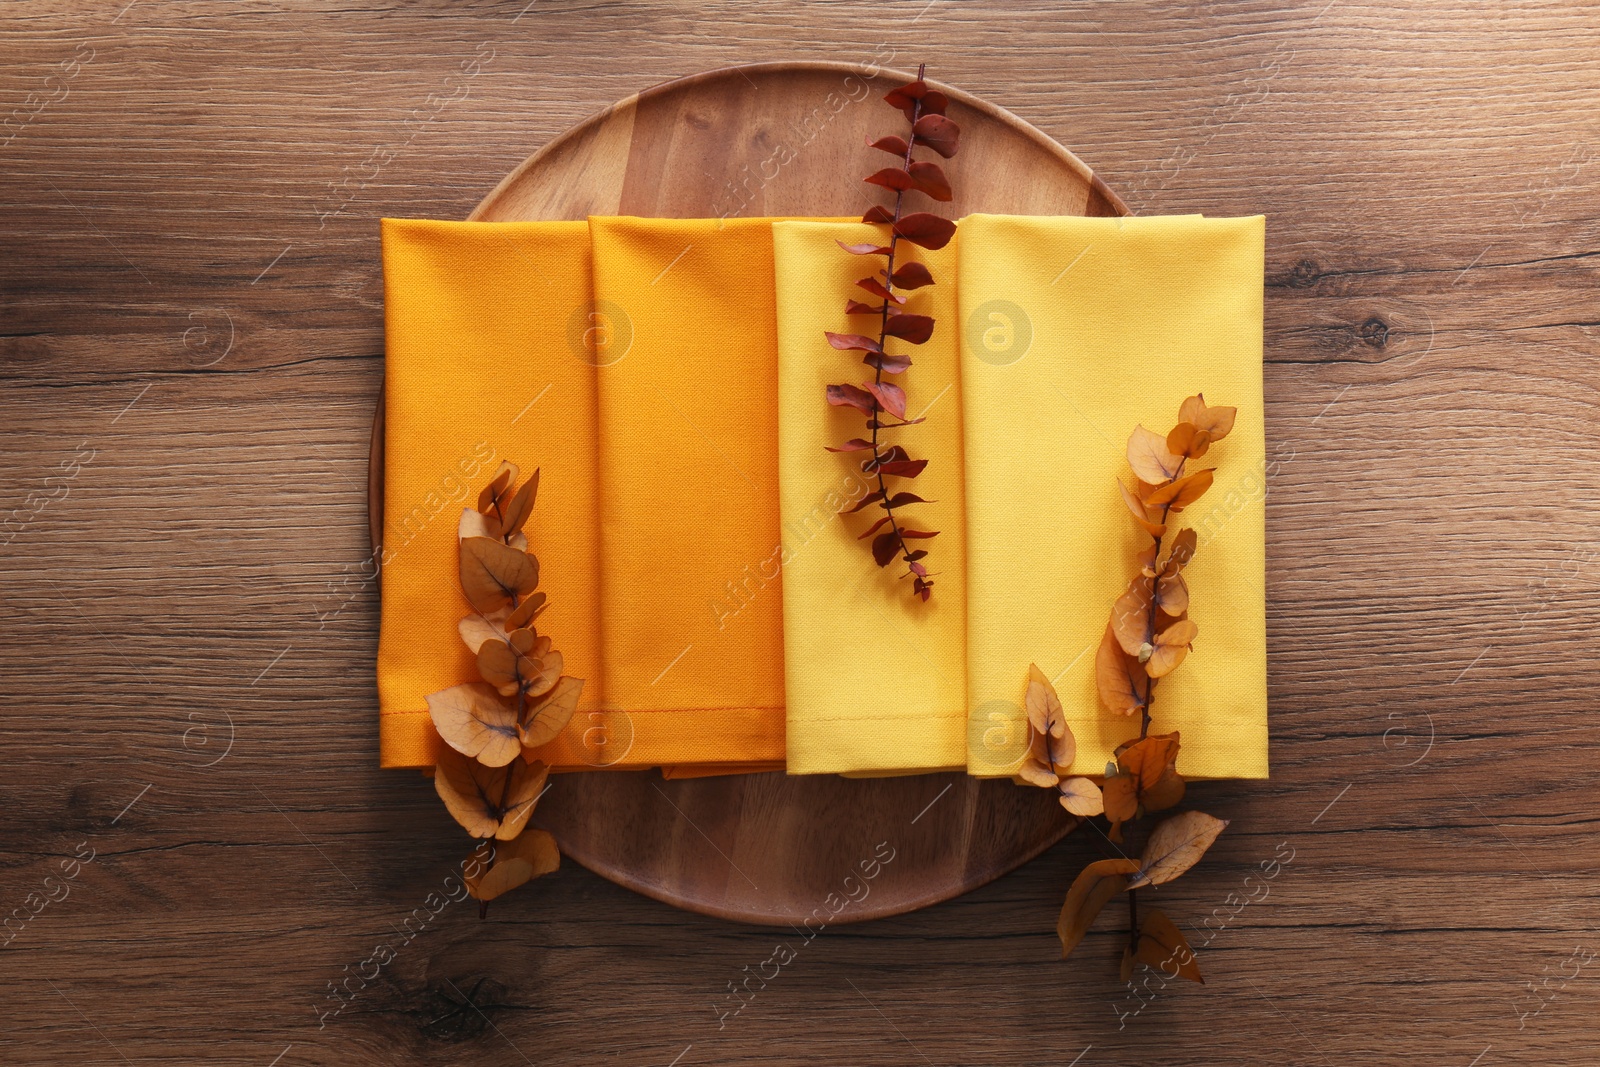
(1120, 795)
(475, 629)
(492, 573)
(503, 478)
(1150, 459)
(1218, 422)
(1172, 594)
(473, 720)
(1081, 796)
(1187, 439)
(488, 801)
(477, 524)
(1147, 758)
(1091, 891)
(1181, 553)
(550, 714)
(1167, 791)
(1163, 946)
(1047, 718)
(497, 664)
(531, 854)
(521, 505)
(531, 608)
(1183, 492)
(1175, 845)
(1131, 616)
(1140, 510)
(1170, 647)
(1124, 687)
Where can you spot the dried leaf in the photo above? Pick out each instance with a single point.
(908, 468)
(938, 133)
(875, 527)
(531, 855)
(504, 476)
(852, 342)
(889, 363)
(876, 288)
(884, 547)
(915, 97)
(477, 524)
(549, 715)
(1161, 945)
(1131, 616)
(1148, 758)
(913, 328)
(1150, 459)
(521, 506)
(1175, 845)
(902, 499)
(1217, 422)
(891, 178)
(871, 498)
(1183, 492)
(895, 146)
(1080, 796)
(1182, 551)
(492, 573)
(1169, 648)
(908, 533)
(855, 444)
(1124, 687)
(890, 397)
(531, 608)
(1046, 717)
(1147, 518)
(488, 801)
(1172, 594)
(867, 249)
(476, 629)
(922, 228)
(473, 720)
(852, 396)
(878, 213)
(911, 276)
(1186, 439)
(856, 307)
(1094, 887)
(1167, 791)
(930, 178)
(1120, 795)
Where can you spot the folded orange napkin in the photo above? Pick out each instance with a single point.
(479, 368)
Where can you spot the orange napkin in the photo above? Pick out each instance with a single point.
(480, 368)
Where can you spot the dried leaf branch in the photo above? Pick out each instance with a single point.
(489, 778)
(1147, 637)
(881, 400)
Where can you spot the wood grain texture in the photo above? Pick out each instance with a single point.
(192, 301)
(774, 139)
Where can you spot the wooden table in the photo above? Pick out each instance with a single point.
(191, 350)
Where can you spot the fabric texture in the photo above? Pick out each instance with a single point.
(1076, 330)
(875, 679)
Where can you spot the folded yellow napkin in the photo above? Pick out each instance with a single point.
(875, 679)
(1074, 331)
(479, 368)
(693, 635)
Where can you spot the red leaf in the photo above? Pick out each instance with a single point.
(856, 307)
(913, 328)
(919, 570)
(849, 396)
(871, 498)
(895, 146)
(929, 231)
(852, 342)
(935, 103)
(888, 455)
(884, 547)
(878, 213)
(938, 133)
(930, 178)
(886, 362)
(906, 98)
(868, 249)
(902, 499)
(892, 178)
(908, 468)
(855, 444)
(904, 532)
(912, 557)
(890, 396)
(912, 276)
(874, 528)
(875, 287)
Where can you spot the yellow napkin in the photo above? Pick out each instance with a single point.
(479, 368)
(1075, 330)
(875, 679)
(693, 636)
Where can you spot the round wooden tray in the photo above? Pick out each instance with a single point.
(786, 139)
